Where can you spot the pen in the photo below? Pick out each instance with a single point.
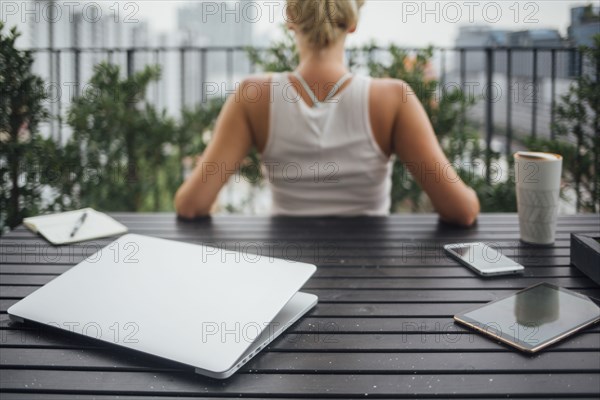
(78, 224)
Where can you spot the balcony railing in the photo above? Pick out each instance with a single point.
(518, 87)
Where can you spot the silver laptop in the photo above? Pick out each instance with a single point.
(209, 308)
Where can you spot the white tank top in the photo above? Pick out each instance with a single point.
(325, 160)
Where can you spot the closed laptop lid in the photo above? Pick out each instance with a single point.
(193, 304)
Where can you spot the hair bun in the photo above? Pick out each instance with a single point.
(323, 22)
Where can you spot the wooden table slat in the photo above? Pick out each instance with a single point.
(171, 383)
(383, 327)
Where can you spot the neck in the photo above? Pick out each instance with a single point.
(329, 60)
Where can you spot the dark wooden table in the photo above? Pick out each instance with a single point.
(383, 327)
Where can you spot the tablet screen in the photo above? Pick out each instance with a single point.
(535, 317)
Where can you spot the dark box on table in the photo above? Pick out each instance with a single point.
(585, 255)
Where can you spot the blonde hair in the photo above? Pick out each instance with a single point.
(323, 22)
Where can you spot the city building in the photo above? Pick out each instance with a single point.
(541, 38)
(585, 23)
(540, 68)
(62, 35)
(480, 36)
(217, 25)
(224, 23)
(474, 38)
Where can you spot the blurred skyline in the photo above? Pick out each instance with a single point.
(188, 75)
(71, 37)
(405, 23)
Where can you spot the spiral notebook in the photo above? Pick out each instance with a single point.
(57, 228)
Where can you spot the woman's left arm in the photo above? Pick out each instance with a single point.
(417, 146)
(231, 142)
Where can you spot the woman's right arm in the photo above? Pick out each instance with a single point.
(415, 143)
(230, 143)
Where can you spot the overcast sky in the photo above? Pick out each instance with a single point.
(409, 23)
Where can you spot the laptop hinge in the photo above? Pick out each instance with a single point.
(14, 318)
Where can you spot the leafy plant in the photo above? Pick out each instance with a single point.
(444, 107)
(118, 142)
(190, 138)
(578, 130)
(125, 155)
(22, 151)
(281, 56)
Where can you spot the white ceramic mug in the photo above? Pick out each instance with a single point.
(537, 178)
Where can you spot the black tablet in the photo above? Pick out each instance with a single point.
(533, 318)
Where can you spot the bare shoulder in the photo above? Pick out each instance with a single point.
(389, 82)
(255, 92)
(387, 96)
(257, 80)
(389, 88)
(260, 78)
(394, 96)
(256, 89)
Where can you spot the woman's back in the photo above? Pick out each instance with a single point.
(323, 159)
(333, 159)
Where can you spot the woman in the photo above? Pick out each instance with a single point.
(326, 136)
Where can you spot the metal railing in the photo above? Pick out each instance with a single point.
(548, 69)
